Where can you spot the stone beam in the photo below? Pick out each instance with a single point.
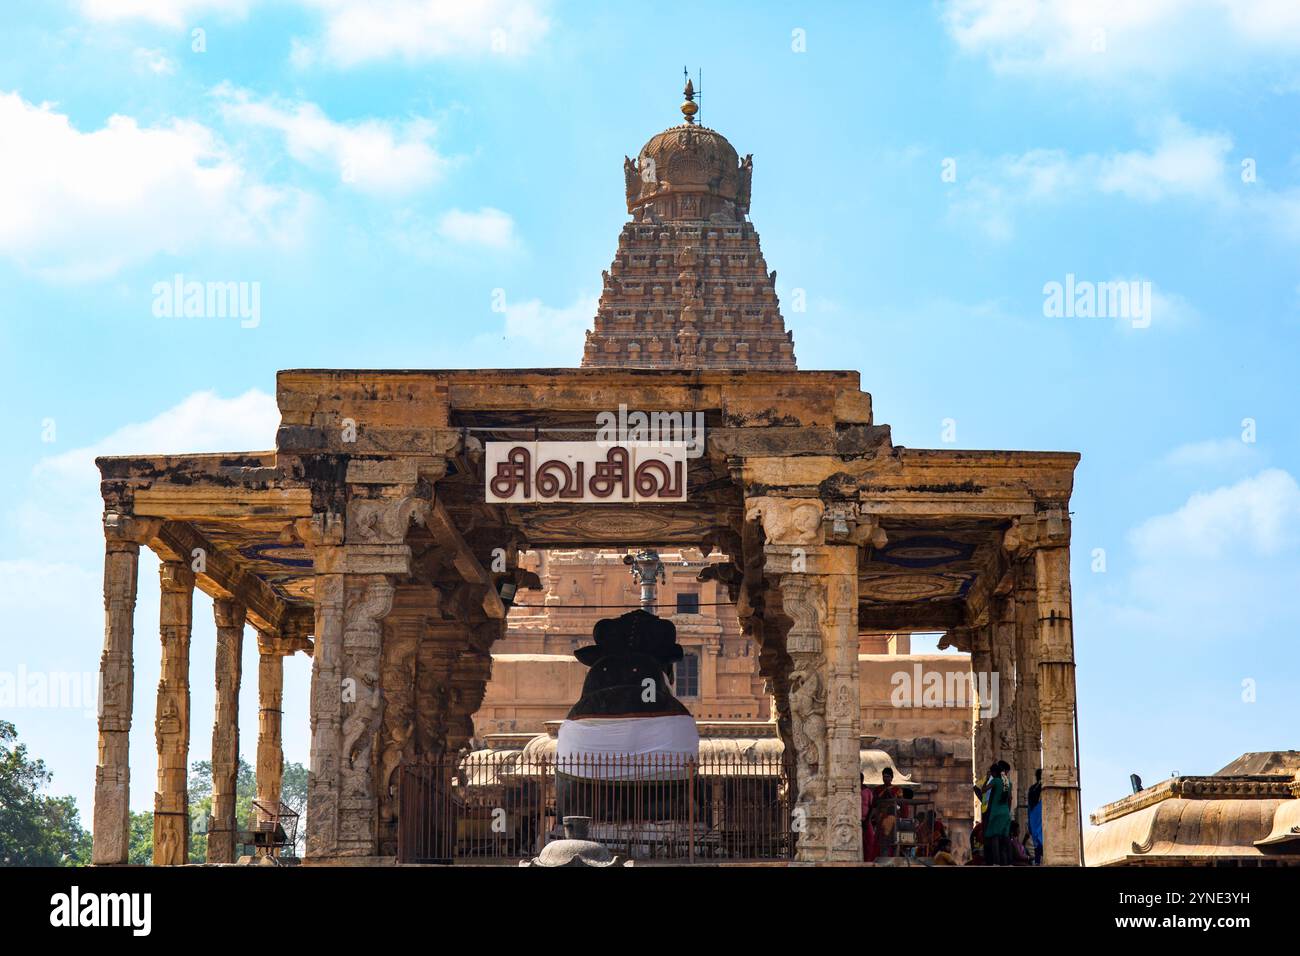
(445, 534)
(911, 616)
(213, 502)
(220, 577)
(925, 482)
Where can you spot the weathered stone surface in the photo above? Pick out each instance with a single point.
(171, 822)
(230, 618)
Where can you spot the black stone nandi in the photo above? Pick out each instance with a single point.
(627, 745)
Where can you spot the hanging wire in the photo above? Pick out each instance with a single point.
(631, 607)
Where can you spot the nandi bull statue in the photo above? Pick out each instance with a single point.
(627, 747)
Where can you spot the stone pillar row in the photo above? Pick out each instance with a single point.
(1041, 544)
(123, 536)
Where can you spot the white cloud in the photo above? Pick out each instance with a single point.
(1181, 163)
(1257, 516)
(376, 156)
(354, 32)
(486, 227)
(418, 30)
(168, 13)
(533, 335)
(557, 330)
(155, 61)
(83, 205)
(1211, 453)
(1111, 40)
(61, 509)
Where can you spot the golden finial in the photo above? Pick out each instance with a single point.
(689, 108)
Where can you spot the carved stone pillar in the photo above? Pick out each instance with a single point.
(369, 599)
(405, 627)
(230, 616)
(323, 535)
(1000, 709)
(1028, 730)
(980, 640)
(123, 536)
(1056, 704)
(816, 571)
(356, 561)
(271, 652)
(435, 660)
(171, 823)
(1047, 537)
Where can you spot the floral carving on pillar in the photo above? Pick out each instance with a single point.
(812, 551)
(384, 520)
(807, 695)
(171, 824)
(230, 615)
(844, 714)
(123, 535)
(370, 598)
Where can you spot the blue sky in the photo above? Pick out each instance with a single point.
(381, 169)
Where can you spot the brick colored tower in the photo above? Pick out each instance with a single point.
(689, 287)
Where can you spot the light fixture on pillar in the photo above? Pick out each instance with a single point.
(647, 571)
(506, 590)
(509, 585)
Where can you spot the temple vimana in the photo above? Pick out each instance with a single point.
(450, 546)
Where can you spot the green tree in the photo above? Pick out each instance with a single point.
(293, 794)
(35, 829)
(140, 845)
(200, 786)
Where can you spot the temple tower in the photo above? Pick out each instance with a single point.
(689, 287)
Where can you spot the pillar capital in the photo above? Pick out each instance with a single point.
(175, 577)
(1049, 528)
(126, 532)
(273, 644)
(787, 520)
(384, 520)
(322, 530)
(229, 612)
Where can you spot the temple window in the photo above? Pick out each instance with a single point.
(686, 672)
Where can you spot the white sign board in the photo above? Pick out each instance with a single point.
(531, 472)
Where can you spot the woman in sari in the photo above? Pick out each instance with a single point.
(887, 809)
(870, 850)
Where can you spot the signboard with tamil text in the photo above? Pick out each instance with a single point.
(578, 472)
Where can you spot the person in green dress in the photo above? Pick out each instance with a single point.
(995, 802)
